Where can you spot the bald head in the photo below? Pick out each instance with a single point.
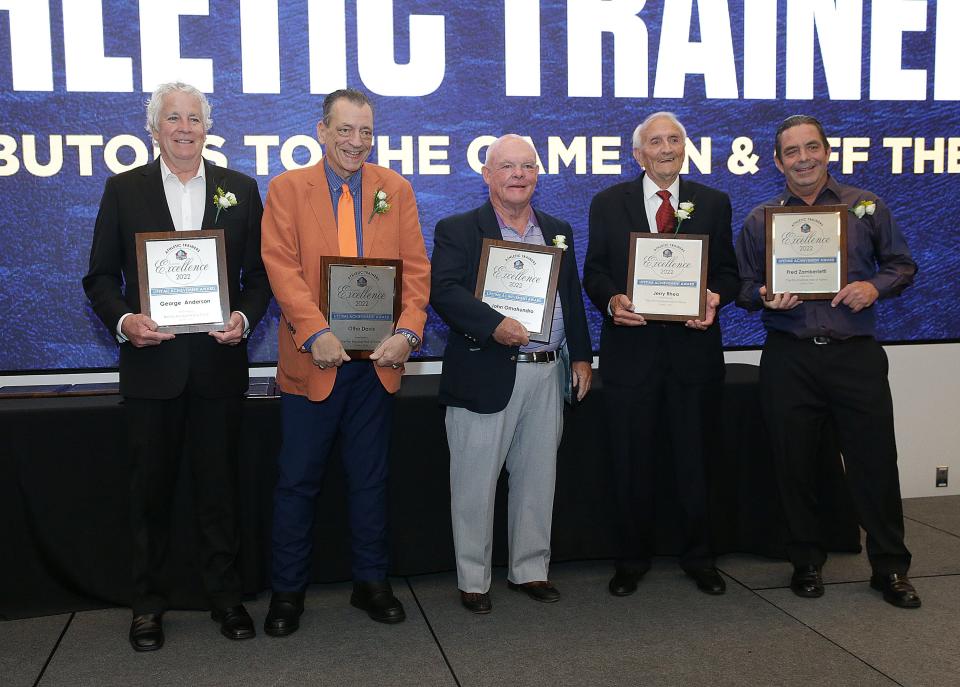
(510, 170)
(499, 143)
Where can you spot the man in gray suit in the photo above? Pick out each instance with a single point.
(504, 393)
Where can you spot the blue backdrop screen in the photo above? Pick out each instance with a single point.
(576, 77)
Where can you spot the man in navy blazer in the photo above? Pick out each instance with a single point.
(504, 393)
(659, 378)
(184, 386)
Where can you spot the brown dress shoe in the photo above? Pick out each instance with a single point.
(896, 589)
(476, 602)
(538, 590)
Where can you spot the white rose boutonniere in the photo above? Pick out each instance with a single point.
(684, 211)
(864, 207)
(560, 241)
(223, 200)
(381, 204)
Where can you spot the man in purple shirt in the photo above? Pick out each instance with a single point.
(822, 364)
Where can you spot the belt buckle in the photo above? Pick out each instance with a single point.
(821, 340)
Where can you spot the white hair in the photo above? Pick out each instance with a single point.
(156, 102)
(638, 132)
(491, 149)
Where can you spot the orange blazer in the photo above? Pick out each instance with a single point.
(299, 226)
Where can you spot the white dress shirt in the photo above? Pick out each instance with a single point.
(652, 202)
(185, 201)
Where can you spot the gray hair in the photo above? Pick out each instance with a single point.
(496, 144)
(638, 132)
(164, 89)
(358, 98)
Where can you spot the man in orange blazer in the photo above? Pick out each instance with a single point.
(332, 208)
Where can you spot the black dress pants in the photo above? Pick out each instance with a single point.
(643, 421)
(159, 432)
(803, 386)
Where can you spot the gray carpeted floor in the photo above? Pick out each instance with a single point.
(668, 633)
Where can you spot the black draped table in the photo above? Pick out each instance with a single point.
(64, 498)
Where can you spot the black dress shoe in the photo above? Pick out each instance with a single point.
(476, 602)
(146, 632)
(235, 622)
(624, 581)
(896, 589)
(708, 580)
(807, 581)
(540, 590)
(283, 618)
(377, 599)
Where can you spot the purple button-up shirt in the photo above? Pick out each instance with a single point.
(876, 253)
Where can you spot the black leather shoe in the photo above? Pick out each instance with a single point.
(540, 590)
(624, 581)
(377, 599)
(146, 632)
(283, 618)
(708, 580)
(476, 602)
(235, 622)
(896, 589)
(807, 581)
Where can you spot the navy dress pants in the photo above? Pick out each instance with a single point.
(360, 412)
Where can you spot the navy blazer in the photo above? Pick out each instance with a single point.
(627, 353)
(478, 372)
(134, 202)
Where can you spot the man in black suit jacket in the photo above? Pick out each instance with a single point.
(504, 394)
(659, 378)
(188, 386)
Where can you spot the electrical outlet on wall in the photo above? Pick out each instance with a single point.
(942, 471)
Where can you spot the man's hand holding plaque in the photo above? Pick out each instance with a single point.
(392, 351)
(142, 331)
(327, 351)
(621, 309)
(510, 332)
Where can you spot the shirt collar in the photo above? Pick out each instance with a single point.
(650, 188)
(165, 171)
(832, 186)
(531, 221)
(335, 181)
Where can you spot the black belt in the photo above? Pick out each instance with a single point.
(818, 340)
(538, 357)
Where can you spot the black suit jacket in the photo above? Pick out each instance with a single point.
(478, 372)
(626, 353)
(134, 202)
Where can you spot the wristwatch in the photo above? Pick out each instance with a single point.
(411, 338)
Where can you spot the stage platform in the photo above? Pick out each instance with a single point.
(64, 500)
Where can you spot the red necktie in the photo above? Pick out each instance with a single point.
(347, 225)
(666, 218)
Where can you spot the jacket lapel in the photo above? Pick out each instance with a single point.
(156, 199)
(369, 184)
(546, 228)
(686, 196)
(636, 209)
(214, 177)
(318, 195)
(489, 227)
